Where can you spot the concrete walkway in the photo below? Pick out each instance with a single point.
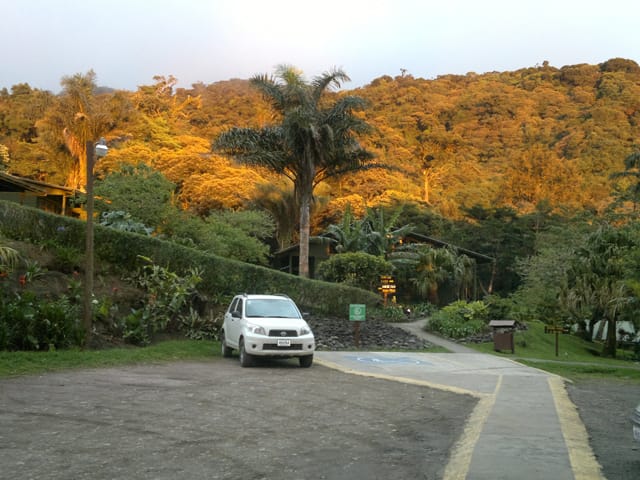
(523, 427)
(417, 328)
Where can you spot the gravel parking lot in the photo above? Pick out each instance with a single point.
(216, 420)
(605, 408)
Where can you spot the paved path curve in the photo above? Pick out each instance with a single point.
(524, 425)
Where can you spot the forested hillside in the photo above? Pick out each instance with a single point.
(508, 139)
(513, 138)
(534, 173)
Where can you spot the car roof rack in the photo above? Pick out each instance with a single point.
(268, 294)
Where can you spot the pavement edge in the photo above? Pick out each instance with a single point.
(582, 459)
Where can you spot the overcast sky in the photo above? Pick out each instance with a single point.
(128, 42)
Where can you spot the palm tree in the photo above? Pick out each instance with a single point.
(431, 267)
(314, 140)
(79, 117)
(463, 271)
(348, 236)
(598, 279)
(381, 233)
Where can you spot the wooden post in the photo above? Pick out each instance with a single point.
(88, 269)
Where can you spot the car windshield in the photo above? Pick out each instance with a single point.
(271, 307)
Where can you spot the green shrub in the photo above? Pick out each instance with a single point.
(391, 313)
(136, 329)
(124, 222)
(423, 309)
(167, 300)
(198, 327)
(357, 269)
(460, 319)
(30, 323)
(9, 258)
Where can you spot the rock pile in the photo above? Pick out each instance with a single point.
(338, 334)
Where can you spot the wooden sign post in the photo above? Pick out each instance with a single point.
(387, 287)
(557, 330)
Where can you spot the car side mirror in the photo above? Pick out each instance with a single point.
(236, 314)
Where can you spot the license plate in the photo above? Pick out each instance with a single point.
(636, 433)
(284, 342)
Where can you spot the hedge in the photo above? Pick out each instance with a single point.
(221, 276)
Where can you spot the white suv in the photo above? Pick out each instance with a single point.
(266, 325)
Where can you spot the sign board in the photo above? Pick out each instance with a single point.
(357, 312)
(387, 284)
(556, 329)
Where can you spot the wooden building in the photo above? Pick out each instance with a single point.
(33, 193)
(288, 259)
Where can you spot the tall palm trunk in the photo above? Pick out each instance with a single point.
(305, 227)
(77, 178)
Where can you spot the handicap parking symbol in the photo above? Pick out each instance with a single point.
(390, 360)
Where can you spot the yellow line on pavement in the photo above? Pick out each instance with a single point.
(583, 461)
(458, 466)
(393, 378)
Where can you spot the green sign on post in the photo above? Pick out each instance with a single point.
(357, 312)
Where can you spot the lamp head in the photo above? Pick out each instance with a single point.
(101, 148)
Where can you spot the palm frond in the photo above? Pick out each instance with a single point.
(9, 258)
(270, 91)
(333, 78)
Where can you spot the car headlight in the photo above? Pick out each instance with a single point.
(305, 331)
(256, 329)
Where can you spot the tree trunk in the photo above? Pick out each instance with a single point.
(591, 326)
(432, 295)
(77, 178)
(609, 349)
(426, 187)
(305, 205)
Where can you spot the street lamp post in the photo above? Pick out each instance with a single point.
(94, 151)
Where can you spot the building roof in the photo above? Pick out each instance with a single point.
(479, 257)
(12, 183)
(296, 247)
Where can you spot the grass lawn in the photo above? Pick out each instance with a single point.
(28, 363)
(576, 357)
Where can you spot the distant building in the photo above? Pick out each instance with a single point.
(288, 259)
(33, 193)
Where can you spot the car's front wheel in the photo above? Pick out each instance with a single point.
(306, 361)
(226, 350)
(246, 359)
